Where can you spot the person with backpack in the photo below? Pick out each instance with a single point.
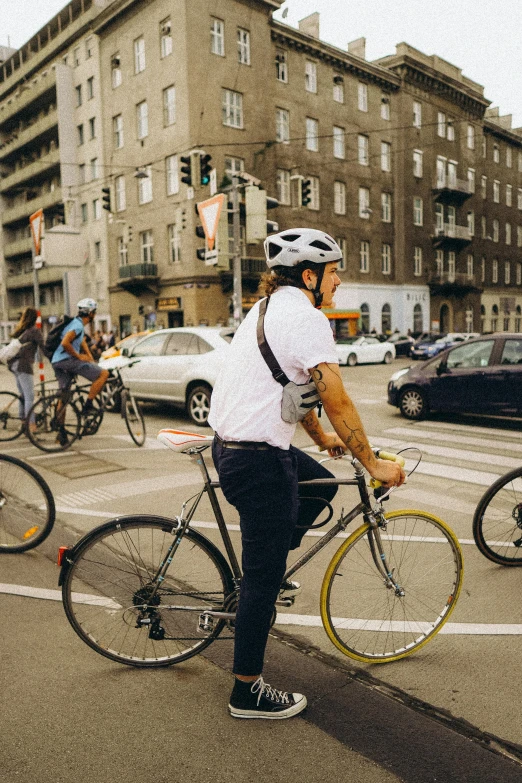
(73, 357)
(21, 365)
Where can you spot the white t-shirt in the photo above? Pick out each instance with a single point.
(246, 400)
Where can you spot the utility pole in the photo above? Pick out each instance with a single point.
(36, 222)
(237, 299)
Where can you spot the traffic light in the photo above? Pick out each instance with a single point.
(186, 170)
(200, 252)
(256, 205)
(204, 169)
(127, 235)
(200, 232)
(306, 190)
(106, 199)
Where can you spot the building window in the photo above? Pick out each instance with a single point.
(365, 318)
(484, 186)
(509, 195)
(243, 46)
(169, 106)
(117, 131)
(116, 76)
(171, 168)
(79, 134)
(469, 267)
(519, 198)
(496, 230)
(338, 88)
(142, 117)
(78, 90)
(385, 107)
(362, 97)
(470, 137)
(417, 163)
(282, 125)
(519, 236)
(84, 213)
(519, 280)
(94, 168)
(385, 156)
(483, 270)
(364, 203)
(496, 191)
(76, 56)
(217, 37)
(484, 227)
(386, 259)
(496, 153)
(441, 172)
(386, 207)
(97, 251)
(81, 170)
(363, 149)
(494, 271)
(471, 180)
(89, 47)
(450, 134)
(417, 211)
(441, 125)
(484, 146)
(120, 196)
(439, 262)
(90, 88)
(508, 233)
(507, 273)
(417, 261)
(310, 76)
(509, 157)
(314, 194)
(439, 217)
(339, 198)
(283, 186)
(96, 209)
(338, 142)
(145, 186)
(312, 135)
(123, 253)
(174, 239)
(92, 128)
(232, 109)
(147, 247)
(234, 165)
(165, 38)
(139, 55)
(471, 222)
(281, 66)
(364, 258)
(341, 264)
(520, 161)
(417, 114)
(451, 266)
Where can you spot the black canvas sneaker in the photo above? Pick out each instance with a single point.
(259, 700)
(289, 589)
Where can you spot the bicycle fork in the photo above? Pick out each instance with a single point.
(377, 521)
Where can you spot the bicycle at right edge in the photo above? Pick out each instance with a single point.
(150, 591)
(497, 522)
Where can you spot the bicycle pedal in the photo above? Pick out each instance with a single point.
(285, 601)
(205, 623)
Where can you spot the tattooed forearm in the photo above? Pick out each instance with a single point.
(312, 426)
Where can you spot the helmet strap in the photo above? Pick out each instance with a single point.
(317, 294)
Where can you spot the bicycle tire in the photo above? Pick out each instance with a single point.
(368, 621)
(11, 425)
(134, 421)
(106, 581)
(497, 522)
(27, 510)
(45, 436)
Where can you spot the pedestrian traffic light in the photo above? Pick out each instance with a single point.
(200, 252)
(306, 190)
(204, 169)
(200, 232)
(186, 170)
(106, 199)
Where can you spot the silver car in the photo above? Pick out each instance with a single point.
(176, 365)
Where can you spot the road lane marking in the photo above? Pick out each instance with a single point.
(466, 428)
(303, 620)
(439, 436)
(459, 455)
(129, 489)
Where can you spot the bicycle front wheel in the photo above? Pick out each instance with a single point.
(116, 604)
(368, 620)
(11, 423)
(55, 430)
(497, 523)
(27, 509)
(131, 411)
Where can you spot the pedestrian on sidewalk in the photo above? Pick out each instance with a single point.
(254, 417)
(21, 365)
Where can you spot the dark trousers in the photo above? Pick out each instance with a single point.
(262, 485)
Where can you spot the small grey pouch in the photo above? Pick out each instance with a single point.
(298, 398)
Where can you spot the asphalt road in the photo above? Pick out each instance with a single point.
(464, 683)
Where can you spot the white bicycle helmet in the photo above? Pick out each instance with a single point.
(291, 247)
(87, 306)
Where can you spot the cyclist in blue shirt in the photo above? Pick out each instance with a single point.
(73, 357)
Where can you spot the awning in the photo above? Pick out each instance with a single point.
(332, 313)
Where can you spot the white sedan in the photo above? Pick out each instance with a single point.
(364, 350)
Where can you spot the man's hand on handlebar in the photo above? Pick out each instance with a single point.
(390, 474)
(333, 444)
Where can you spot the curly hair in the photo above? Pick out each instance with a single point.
(280, 276)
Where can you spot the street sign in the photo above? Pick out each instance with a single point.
(211, 257)
(38, 262)
(209, 212)
(36, 222)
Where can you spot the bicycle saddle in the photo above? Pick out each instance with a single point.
(181, 441)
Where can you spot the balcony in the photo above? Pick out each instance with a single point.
(23, 210)
(39, 128)
(21, 99)
(18, 247)
(25, 279)
(452, 284)
(36, 171)
(451, 235)
(452, 190)
(139, 278)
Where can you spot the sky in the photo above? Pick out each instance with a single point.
(482, 37)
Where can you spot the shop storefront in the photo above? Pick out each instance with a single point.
(385, 308)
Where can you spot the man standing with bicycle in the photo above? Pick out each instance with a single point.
(262, 391)
(73, 357)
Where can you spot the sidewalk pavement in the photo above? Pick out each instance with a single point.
(72, 716)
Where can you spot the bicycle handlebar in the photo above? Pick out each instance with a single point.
(375, 483)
